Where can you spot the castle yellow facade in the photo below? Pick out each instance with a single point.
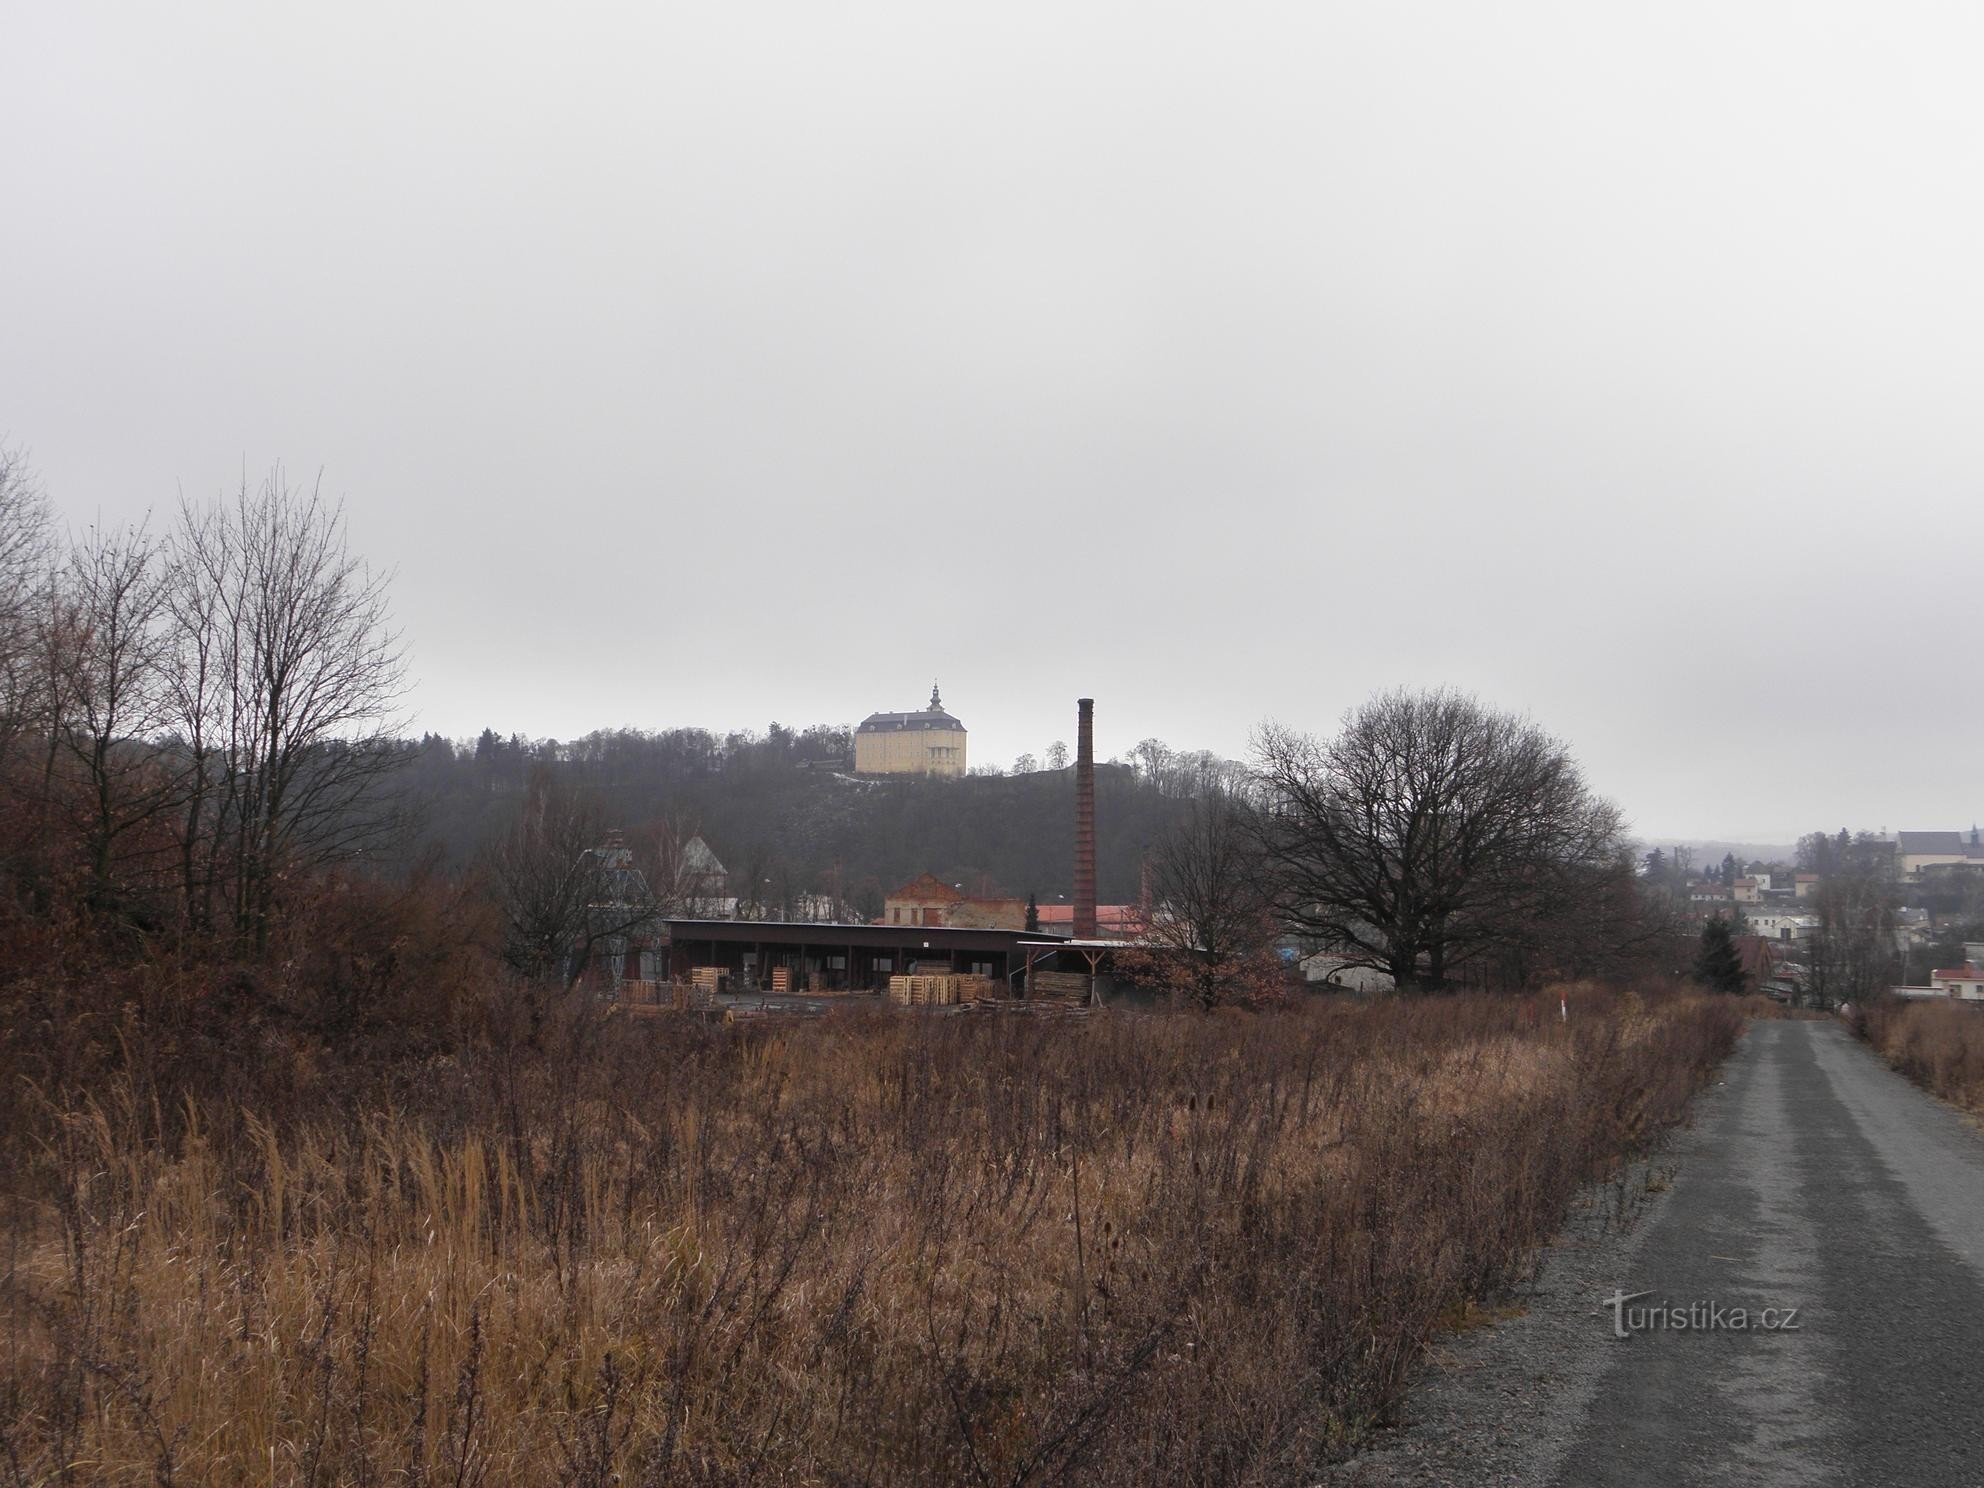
(929, 742)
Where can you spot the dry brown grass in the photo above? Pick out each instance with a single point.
(874, 1249)
(1939, 1045)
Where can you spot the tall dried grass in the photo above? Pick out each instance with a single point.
(871, 1249)
(1938, 1045)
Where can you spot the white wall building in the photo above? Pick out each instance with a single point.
(1965, 981)
(1775, 925)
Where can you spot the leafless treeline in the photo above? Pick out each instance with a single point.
(1431, 839)
(186, 716)
(570, 889)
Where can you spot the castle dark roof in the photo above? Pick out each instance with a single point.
(927, 719)
(932, 717)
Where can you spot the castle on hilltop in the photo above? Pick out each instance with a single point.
(929, 742)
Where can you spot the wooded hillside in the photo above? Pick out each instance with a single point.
(776, 806)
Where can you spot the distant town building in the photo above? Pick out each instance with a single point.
(623, 939)
(1750, 890)
(928, 900)
(702, 887)
(1965, 981)
(981, 912)
(1779, 926)
(1916, 851)
(924, 900)
(930, 742)
(1768, 967)
(1805, 885)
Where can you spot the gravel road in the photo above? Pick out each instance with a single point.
(1813, 1178)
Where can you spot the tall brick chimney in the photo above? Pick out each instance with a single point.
(1084, 926)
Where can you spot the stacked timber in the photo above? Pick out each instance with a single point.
(980, 989)
(1060, 1012)
(781, 979)
(946, 990)
(1059, 987)
(639, 993)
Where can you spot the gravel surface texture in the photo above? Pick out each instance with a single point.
(1813, 1177)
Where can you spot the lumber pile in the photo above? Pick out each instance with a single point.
(1058, 986)
(920, 991)
(638, 999)
(701, 990)
(698, 995)
(1059, 1012)
(781, 979)
(639, 993)
(950, 989)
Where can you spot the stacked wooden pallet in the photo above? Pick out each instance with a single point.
(695, 996)
(1058, 986)
(950, 989)
(923, 991)
(981, 989)
(781, 979)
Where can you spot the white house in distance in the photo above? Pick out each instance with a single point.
(1965, 981)
(1777, 925)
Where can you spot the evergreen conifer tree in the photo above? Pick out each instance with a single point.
(1717, 965)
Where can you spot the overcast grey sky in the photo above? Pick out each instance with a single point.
(724, 363)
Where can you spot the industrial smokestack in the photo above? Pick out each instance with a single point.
(1084, 926)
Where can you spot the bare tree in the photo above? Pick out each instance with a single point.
(290, 670)
(1210, 926)
(25, 548)
(199, 709)
(565, 891)
(1428, 834)
(114, 697)
(682, 876)
(1854, 956)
